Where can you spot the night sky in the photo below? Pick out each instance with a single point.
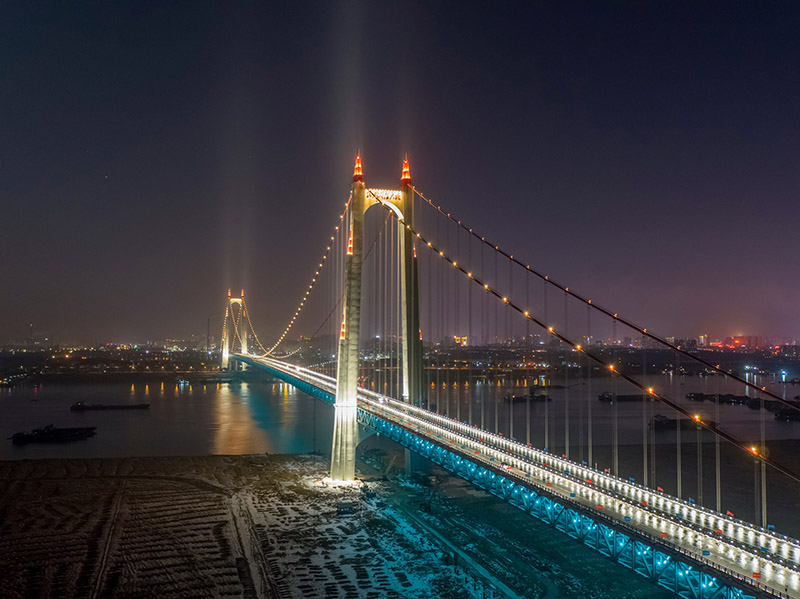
(154, 154)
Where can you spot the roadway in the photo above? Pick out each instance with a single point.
(762, 558)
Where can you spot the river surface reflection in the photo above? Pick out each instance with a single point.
(183, 419)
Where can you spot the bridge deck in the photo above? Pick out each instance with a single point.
(733, 547)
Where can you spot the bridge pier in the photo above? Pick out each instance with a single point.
(416, 463)
(345, 438)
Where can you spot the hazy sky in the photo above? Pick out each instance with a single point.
(154, 154)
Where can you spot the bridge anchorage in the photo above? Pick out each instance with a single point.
(666, 533)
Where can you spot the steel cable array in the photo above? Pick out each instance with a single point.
(648, 391)
(603, 310)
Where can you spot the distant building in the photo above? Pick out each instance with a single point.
(742, 341)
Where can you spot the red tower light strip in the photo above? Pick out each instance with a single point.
(350, 244)
(341, 335)
(405, 179)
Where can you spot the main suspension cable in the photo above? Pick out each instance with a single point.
(607, 312)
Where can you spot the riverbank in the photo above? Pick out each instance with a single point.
(215, 526)
(264, 526)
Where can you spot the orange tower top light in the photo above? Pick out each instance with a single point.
(405, 179)
(358, 173)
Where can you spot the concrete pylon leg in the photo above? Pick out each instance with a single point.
(409, 298)
(345, 427)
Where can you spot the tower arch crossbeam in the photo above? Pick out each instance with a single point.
(392, 199)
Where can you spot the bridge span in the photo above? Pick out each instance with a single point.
(366, 289)
(690, 550)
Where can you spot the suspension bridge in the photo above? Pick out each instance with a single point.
(415, 326)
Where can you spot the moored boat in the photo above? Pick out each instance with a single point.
(53, 434)
(82, 407)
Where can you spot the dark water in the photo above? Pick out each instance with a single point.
(485, 404)
(197, 419)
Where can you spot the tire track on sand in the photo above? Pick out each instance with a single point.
(108, 541)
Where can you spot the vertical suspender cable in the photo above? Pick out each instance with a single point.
(448, 320)
(470, 337)
(615, 426)
(400, 365)
(431, 332)
(512, 364)
(699, 465)
(483, 379)
(496, 283)
(589, 367)
(678, 423)
(527, 355)
(718, 479)
(450, 332)
(401, 331)
(645, 421)
(547, 354)
(763, 450)
(387, 298)
(567, 352)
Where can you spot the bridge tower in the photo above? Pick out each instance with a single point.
(401, 202)
(234, 327)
